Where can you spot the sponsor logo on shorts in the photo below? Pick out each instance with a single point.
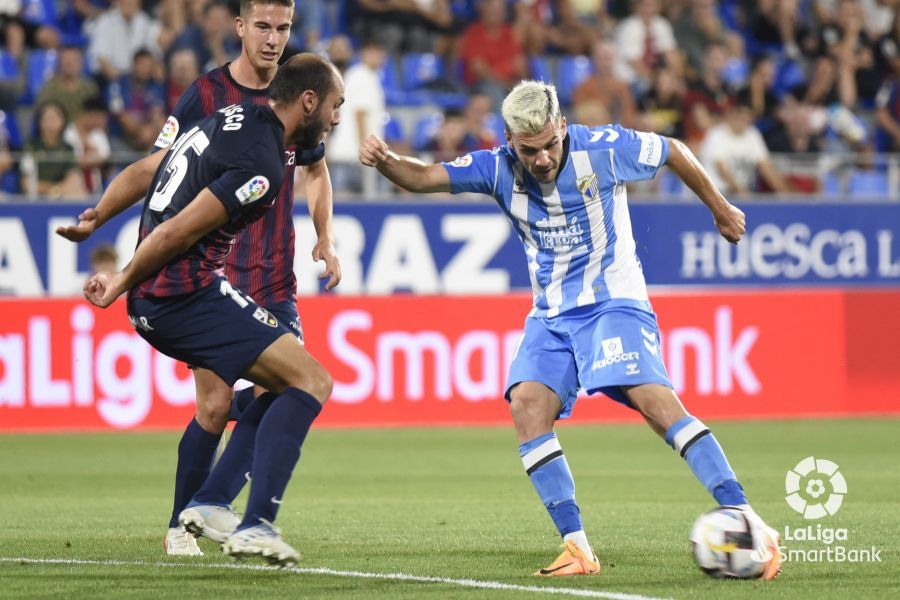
(615, 359)
(253, 190)
(632, 369)
(168, 134)
(264, 317)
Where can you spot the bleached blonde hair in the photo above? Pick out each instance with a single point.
(529, 107)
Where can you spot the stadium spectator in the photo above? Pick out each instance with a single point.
(604, 88)
(553, 25)
(476, 114)
(887, 49)
(12, 84)
(645, 42)
(734, 153)
(117, 34)
(173, 18)
(887, 114)
(759, 86)
(87, 137)
(104, 258)
(662, 108)
(139, 107)
(69, 87)
(363, 112)
(696, 28)
(706, 98)
(49, 167)
(493, 59)
(183, 70)
(777, 24)
(340, 51)
(403, 25)
(213, 38)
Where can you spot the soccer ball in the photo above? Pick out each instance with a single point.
(723, 542)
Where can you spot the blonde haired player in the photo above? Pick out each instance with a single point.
(563, 189)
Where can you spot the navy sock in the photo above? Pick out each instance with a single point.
(703, 454)
(278, 440)
(196, 451)
(229, 475)
(239, 403)
(546, 465)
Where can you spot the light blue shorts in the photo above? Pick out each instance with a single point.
(593, 347)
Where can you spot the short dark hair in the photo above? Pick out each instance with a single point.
(246, 5)
(301, 72)
(93, 104)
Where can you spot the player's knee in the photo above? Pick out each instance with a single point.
(314, 380)
(531, 412)
(212, 414)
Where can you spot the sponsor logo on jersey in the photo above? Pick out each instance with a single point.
(253, 190)
(651, 149)
(168, 134)
(462, 161)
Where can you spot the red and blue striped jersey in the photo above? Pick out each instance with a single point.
(261, 263)
(237, 153)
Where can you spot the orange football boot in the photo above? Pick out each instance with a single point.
(572, 561)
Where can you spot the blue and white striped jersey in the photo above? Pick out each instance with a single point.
(576, 230)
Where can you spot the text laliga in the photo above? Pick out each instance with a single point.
(122, 398)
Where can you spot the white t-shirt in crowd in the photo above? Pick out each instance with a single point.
(741, 153)
(362, 92)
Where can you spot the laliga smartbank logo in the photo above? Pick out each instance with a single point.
(815, 489)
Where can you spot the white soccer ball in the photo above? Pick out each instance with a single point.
(723, 543)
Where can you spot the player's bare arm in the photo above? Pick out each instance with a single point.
(320, 205)
(164, 243)
(405, 171)
(126, 189)
(729, 219)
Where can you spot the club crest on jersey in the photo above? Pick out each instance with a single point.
(589, 186)
(168, 134)
(264, 317)
(462, 161)
(253, 190)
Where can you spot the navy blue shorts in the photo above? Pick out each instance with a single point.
(217, 328)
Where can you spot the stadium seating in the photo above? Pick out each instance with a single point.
(571, 72)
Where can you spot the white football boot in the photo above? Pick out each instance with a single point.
(181, 543)
(213, 522)
(263, 540)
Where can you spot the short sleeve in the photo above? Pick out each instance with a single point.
(255, 177)
(308, 157)
(185, 115)
(474, 172)
(637, 155)
(760, 150)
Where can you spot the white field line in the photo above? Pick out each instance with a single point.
(469, 583)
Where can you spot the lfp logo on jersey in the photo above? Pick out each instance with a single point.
(815, 488)
(253, 190)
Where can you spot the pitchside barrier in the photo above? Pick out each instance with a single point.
(469, 248)
(426, 360)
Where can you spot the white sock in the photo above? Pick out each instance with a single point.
(580, 540)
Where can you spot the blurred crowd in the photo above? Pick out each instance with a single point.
(748, 84)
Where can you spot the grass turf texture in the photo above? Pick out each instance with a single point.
(440, 502)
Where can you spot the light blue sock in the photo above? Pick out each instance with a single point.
(546, 465)
(703, 454)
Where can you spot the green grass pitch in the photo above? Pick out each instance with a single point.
(446, 503)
